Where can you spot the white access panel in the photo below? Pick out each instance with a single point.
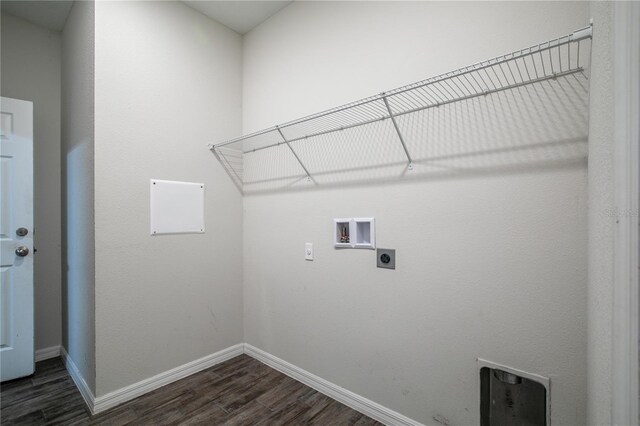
(176, 207)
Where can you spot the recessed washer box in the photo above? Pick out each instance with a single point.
(356, 232)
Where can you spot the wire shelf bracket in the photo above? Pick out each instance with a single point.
(395, 125)
(294, 153)
(557, 58)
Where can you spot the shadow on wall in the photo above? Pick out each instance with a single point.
(536, 127)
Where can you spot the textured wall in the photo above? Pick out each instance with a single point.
(31, 71)
(492, 252)
(168, 82)
(78, 246)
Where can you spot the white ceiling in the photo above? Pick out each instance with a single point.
(240, 15)
(49, 14)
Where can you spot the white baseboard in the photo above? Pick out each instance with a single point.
(77, 378)
(47, 353)
(348, 398)
(135, 390)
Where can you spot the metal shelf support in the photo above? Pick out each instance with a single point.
(395, 125)
(294, 154)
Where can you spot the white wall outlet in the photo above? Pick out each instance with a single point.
(308, 251)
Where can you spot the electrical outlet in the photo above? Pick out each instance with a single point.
(308, 251)
(386, 258)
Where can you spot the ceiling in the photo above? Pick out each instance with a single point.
(241, 16)
(48, 14)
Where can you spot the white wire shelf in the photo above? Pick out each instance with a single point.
(561, 57)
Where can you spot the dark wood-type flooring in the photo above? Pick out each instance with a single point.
(240, 391)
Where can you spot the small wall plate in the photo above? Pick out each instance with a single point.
(386, 258)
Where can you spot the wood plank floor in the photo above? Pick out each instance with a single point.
(241, 391)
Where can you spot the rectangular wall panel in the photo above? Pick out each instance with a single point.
(176, 207)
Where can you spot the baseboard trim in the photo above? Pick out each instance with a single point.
(348, 398)
(77, 378)
(47, 353)
(120, 396)
(135, 390)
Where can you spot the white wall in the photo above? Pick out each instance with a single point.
(601, 219)
(491, 264)
(78, 237)
(31, 71)
(168, 82)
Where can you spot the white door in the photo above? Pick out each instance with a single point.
(16, 236)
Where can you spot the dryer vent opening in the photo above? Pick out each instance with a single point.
(509, 399)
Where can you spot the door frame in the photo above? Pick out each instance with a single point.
(626, 297)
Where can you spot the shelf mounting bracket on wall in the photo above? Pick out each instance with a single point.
(395, 125)
(295, 155)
